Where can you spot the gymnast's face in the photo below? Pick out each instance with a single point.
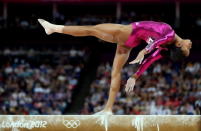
(185, 45)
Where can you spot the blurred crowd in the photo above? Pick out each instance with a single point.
(164, 89)
(34, 82)
(28, 20)
(86, 19)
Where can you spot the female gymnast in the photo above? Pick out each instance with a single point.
(160, 37)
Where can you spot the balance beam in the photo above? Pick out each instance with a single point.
(100, 123)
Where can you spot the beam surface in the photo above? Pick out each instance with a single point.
(100, 123)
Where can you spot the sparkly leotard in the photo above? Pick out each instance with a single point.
(155, 34)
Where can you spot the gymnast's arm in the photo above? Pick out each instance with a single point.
(146, 63)
(121, 56)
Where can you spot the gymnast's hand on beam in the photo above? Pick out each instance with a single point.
(104, 112)
(139, 58)
(130, 85)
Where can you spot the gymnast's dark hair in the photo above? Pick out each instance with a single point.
(173, 53)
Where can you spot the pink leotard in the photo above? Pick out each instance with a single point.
(155, 34)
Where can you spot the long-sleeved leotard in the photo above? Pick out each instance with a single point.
(147, 62)
(155, 34)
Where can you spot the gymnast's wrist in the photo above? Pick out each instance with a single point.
(145, 51)
(135, 76)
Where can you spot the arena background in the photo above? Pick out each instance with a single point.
(61, 74)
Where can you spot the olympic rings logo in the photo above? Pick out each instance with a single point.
(71, 123)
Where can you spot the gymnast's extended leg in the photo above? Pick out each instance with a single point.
(113, 33)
